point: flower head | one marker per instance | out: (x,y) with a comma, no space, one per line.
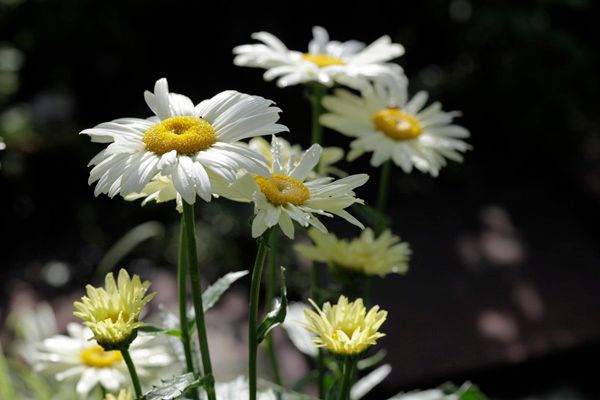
(287,195)
(292,154)
(346,327)
(365,254)
(196,147)
(122,395)
(327,61)
(77,356)
(112,312)
(405,132)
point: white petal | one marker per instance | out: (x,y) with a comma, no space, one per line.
(159,100)
(319,41)
(286,225)
(86,383)
(258,224)
(307,163)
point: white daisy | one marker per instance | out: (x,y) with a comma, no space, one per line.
(406,133)
(80,358)
(293,153)
(161,189)
(287,196)
(192,145)
(348,63)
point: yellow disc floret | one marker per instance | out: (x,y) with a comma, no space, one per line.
(281,189)
(345,328)
(112,312)
(97,357)
(187,135)
(322,60)
(397,124)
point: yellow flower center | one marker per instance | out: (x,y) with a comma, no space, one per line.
(281,189)
(397,124)
(96,357)
(187,135)
(322,60)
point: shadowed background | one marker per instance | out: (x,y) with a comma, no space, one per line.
(504,282)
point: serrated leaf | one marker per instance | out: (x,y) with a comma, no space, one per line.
(214,292)
(277,314)
(175,387)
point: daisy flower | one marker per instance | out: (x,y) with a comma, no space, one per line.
(327,61)
(192,145)
(77,356)
(161,189)
(112,312)
(292,153)
(407,133)
(286,196)
(346,328)
(365,254)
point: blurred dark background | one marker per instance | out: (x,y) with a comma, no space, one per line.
(504,287)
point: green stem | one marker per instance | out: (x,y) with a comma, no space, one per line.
(259,262)
(270,295)
(382,196)
(346,383)
(194,270)
(317,91)
(182,291)
(132,372)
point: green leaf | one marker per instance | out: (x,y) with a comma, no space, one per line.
(371,361)
(468,391)
(6,389)
(125,245)
(277,314)
(214,292)
(176,386)
(156,330)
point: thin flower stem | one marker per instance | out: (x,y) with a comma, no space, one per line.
(346,382)
(257,271)
(182,291)
(382,196)
(317,91)
(194,270)
(270,295)
(132,372)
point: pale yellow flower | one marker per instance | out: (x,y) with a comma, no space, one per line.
(365,254)
(123,395)
(112,312)
(345,328)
